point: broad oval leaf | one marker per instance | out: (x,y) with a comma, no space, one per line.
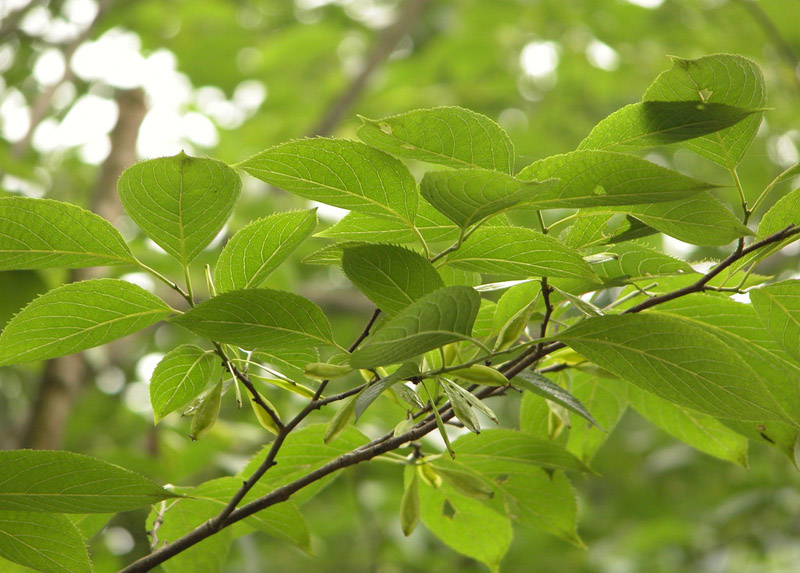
(444,316)
(778,307)
(256,250)
(634,262)
(517,252)
(259,318)
(179,378)
(43,542)
(62,482)
(468,196)
(42,233)
(651,123)
(180,202)
(785,212)
(339,172)
(590,178)
(678,361)
(390,276)
(77,316)
(451,136)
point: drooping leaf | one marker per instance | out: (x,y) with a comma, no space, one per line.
(258,249)
(651,123)
(180,202)
(369,395)
(467,196)
(443,316)
(778,307)
(339,172)
(390,276)
(543,386)
(259,318)
(591,178)
(62,482)
(77,316)
(179,378)
(43,542)
(716,79)
(41,233)
(451,136)
(517,252)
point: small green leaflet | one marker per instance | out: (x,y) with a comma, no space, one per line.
(259,318)
(778,307)
(443,316)
(180,202)
(42,233)
(179,378)
(467,196)
(591,178)
(543,386)
(451,136)
(62,482)
(651,123)
(77,316)
(43,542)
(390,276)
(716,79)
(339,172)
(258,249)
(678,361)
(371,393)
(518,252)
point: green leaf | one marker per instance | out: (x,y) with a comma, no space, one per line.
(461,406)
(19,288)
(371,393)
(43,542)
(41,233)
(451,136)
(517,252)
(678,361)
(700,431)
(716,79)
(785,212)
(513,312)
(635,262)
(468,196)
(591,178)
(443,316)
(62,482)
(778,307)
(179,378)
(332,254)
(390,276)
(180,202)
(651,123)
(607,400)
(585,230)
(259,318)
(342,173)
(256,250)
(543,386)
(77,316)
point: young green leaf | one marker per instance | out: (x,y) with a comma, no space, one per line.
(451,136)
(409,505)
(207,413)
(390,276)
(77,316)
(517,252)
(179,378)
(339,172)
(258,249)
(461,407)
(371,393)
(259,318)
(43,542)
(472,401)
(341,419)
(513,312)
(543,386)
(438,318)
(464,482)
(41,233)
(62,482)
(778,307)
(180,202)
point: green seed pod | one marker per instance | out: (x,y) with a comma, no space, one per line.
(465,483)
(207,413)
(326,371)
(480,374)
(263,418)
(409,506)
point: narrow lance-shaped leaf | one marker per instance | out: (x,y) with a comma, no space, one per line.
(778,307)
(77,316)
(339,172)
(180,202)
(543,386)
(179,378)
(390,276)
(256,250)
(441,317)
(42,233)
(43,542)
(62,482)
(259,318)
(451,136)
(371,393)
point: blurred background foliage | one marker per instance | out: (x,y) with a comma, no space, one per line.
(88,86)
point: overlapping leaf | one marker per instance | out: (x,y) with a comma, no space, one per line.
(78,316)
(179,378)
(778,307)
(43,542)
(634,262)
(546,388)
(370,394)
